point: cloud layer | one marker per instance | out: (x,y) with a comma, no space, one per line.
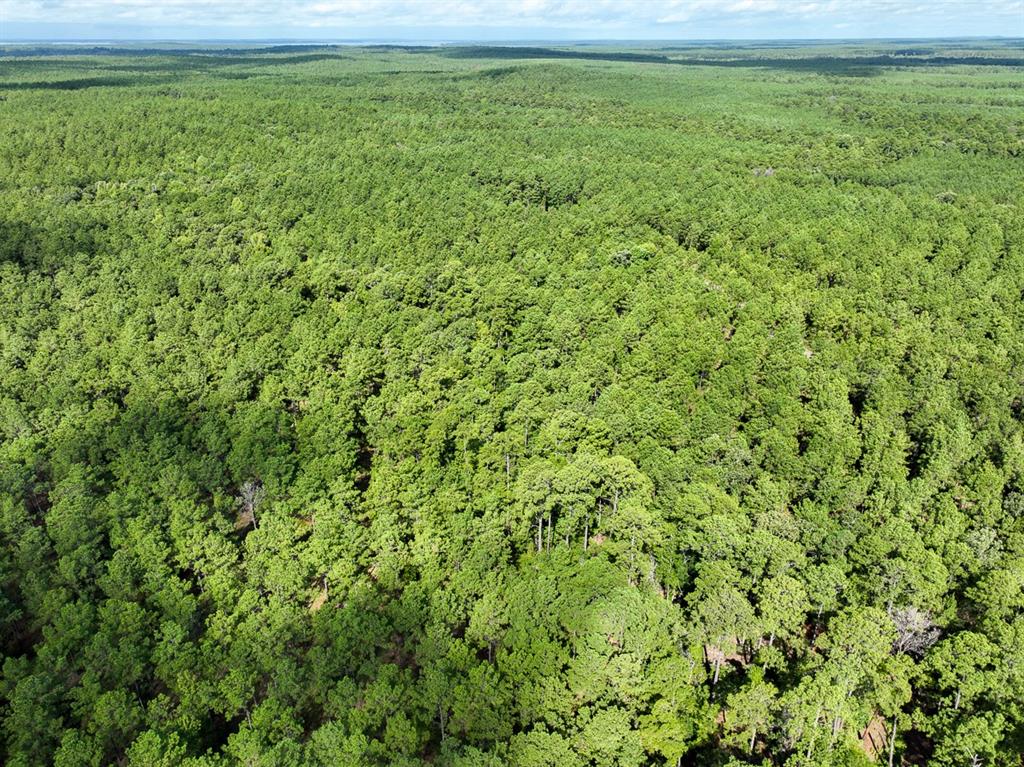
(596,18)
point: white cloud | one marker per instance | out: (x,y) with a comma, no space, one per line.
(672,16)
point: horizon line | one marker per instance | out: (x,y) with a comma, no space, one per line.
(495,40)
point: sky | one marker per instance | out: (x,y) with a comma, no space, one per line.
(491,20)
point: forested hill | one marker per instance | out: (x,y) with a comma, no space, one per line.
(569,407)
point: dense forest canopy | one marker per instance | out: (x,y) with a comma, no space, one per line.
(579,407)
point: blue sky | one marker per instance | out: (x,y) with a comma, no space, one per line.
(505,19)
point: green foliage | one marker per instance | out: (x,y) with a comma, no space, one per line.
(480,406)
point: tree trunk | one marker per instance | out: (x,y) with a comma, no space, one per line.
(586,533)
(810,743)
(892,739)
